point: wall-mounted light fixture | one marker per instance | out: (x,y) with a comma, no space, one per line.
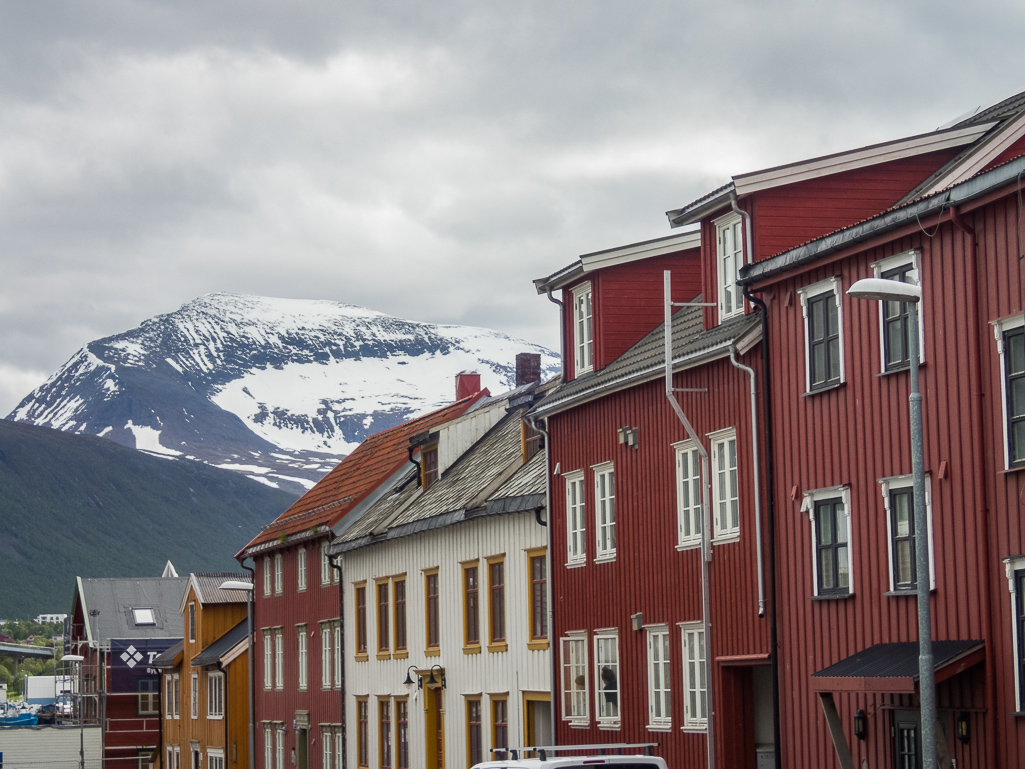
(409,682)
(860,724)
(432,681)
(963,732)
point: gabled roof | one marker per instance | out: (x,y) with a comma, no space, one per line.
(611,257)
(207,588)
(894,667)
(968,190)
(222,647)
(984,135)
(692,346)
(356,476)
(107,606)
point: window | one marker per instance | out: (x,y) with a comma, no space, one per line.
(268,660)
(823,335)
(573,649)
(605,511)
(725,499)
(471,608)
(401,734)
(195,695)
(149,697)
(898,499)
(177,757)
(659,714)
(192,621)
(432,631)
(1010,337)
(576,549)
(327,741)
(474,748)
(496,604)
(338,653)
(894,330)
(531,440)
(400,615)
(214,758)
(339,746)
(177,695)
(278,584)
(1015,569)
(384,752)
(695,690)
(829,513)
(143,617)
(268,746)
(326,654)
(583,330)
(215,695)
(429,462)
(196,759)
(606,676)
(499,725)
(279,658)
(383,617)
(168,696)
(281,747)
(537,564)
(266,575)
(362,732)
(729,248)
(325,565)
(302,648)
(688,494)
(301,567)
(361,621)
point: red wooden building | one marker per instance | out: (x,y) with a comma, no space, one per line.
(297,602)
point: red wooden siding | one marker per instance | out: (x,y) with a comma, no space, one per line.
(649,574)
(859,432)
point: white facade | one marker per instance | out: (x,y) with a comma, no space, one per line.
(517,672)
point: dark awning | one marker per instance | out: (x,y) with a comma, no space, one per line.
(212,654)
(893,667)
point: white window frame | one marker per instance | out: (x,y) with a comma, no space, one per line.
(326,655)
(604,504)
(583,329)
(689,633)
(813,291)
(1001,327)
(280,746)
(659,679)
(328,743)
(886,485)
(688,516)
(325,565)
(724,530)
(601,659)
(1011,566)
(215,758)
(303,656)
(267,576)
(215,695)
(886,265)
(168,696)
(808,507)
(300,557)
(268,660)
(731,225)
(576,518)
(195,695)
(574,665)
(177,695)
(278,574)
(177,757)
(268,746)
(279,658)
(337,627)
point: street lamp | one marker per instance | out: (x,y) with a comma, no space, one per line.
(78,701)
(238,584)
(910,295)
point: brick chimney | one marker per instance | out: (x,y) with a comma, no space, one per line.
(528,368)
(467,383)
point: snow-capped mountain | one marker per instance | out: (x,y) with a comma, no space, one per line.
(278,389)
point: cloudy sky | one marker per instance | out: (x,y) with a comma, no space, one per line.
(425,159)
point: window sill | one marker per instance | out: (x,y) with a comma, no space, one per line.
(683,546)
(576,564)
(726,539)
(434,652)
(660,727)
(362,657)
(300,590)
(605,557)
(912,593)
(579,725)
(831,597)
(609,726)
(537,646)
(384,655)
(401,655)
(820,390)
(471,649)
(901,370)
(499,646)
(694,729)
(1011,471)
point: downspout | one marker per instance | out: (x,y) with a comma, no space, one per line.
(335,563)
(978,459)
(535,425)
(770,490)
(250,621)
(754,469)
(706,545)
(562,337)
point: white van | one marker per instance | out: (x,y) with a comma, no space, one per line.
(605,755)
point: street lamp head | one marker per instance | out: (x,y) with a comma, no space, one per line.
(73,658)
(884,290)
(235,584)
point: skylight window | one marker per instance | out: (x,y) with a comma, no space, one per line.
(143,617)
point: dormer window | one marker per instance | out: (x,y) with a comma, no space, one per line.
(429,466)
(729,249)
(583,330)
(143,617)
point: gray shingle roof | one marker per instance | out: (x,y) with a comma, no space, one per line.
(212,654)
(114,600)
(208,587)
(692,344)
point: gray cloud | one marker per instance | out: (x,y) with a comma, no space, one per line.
(427,160)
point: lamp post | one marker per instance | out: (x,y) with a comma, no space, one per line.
(78,702)
(910,295)
(238,584)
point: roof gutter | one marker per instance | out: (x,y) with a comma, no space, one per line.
(562,333)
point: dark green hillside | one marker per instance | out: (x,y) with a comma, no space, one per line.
(75,505)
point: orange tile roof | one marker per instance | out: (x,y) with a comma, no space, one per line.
(369,465)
